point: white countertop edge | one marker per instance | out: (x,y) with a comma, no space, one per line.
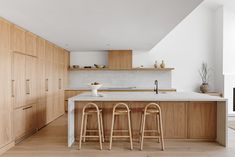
(147,96)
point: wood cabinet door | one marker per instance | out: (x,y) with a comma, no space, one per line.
(49,91)
(174,119)
(61,89)
(40,48)
(61,56)
(56,87)
(55,54)
(41,106)
(41,112)
(30,115)
(202,120)
(48,51)
(5,35)
(120,59)
(6,115)
(66,65)
(24,120)
(19,123)
(31,79)
(17,39)
(61,103)
(49,108)
(30,44)
(18,80)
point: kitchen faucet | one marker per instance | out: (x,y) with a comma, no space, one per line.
(156,86)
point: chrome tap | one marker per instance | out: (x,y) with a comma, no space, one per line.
(156,86)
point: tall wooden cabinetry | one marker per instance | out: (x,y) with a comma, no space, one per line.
(32,72)
(6,128)
(24,93)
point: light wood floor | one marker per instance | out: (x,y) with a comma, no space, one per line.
(51,142)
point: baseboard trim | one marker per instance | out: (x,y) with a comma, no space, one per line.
(7,147)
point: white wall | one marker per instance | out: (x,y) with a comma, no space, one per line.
(229,56)
(185,48)
(190,43)
(219,77)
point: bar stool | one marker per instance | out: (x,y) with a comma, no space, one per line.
(118,110)
(150,110)
(88,110)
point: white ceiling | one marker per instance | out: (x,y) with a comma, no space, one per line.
(83,25)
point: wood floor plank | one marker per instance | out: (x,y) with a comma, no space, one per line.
(51,141)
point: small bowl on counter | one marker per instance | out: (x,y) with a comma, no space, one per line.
(94,88)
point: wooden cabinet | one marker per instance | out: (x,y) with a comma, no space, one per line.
(30,44)
(31,79)
(4,35)
(48,51)
(41,84)
(17,39)
(24,121)
(33,74)
(61,56)
(120,59)
(201,120)
(40,48)
(41,106)
(18,80)
(6,116)
(174,119)
(66,65)
(49,91)
(24,94)
(24,80)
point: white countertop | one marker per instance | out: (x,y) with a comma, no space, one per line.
(121,88)
(146,96)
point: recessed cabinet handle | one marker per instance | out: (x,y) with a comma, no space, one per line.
(27,87)
(46,85)
(59,83)
(27,107)
(13,88)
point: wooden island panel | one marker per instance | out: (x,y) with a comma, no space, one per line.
(202,117)
(174,118)
(181,120)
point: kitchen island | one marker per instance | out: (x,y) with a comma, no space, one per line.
(186,116)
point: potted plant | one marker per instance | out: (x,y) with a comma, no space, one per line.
(204,73)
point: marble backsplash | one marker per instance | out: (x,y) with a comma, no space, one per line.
(139,79)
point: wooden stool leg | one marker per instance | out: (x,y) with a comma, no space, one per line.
(143,129)
(141,123)
(161,131)
(129,126)
(158,127)
(102,127)
(99,129)
(80,138)
(111,132)
(85,126)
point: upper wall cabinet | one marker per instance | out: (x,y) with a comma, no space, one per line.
(49,48)
(61,56)
(120,59)
(17,39)
(4,35)
(55,54)
(30,44)
(40,48)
